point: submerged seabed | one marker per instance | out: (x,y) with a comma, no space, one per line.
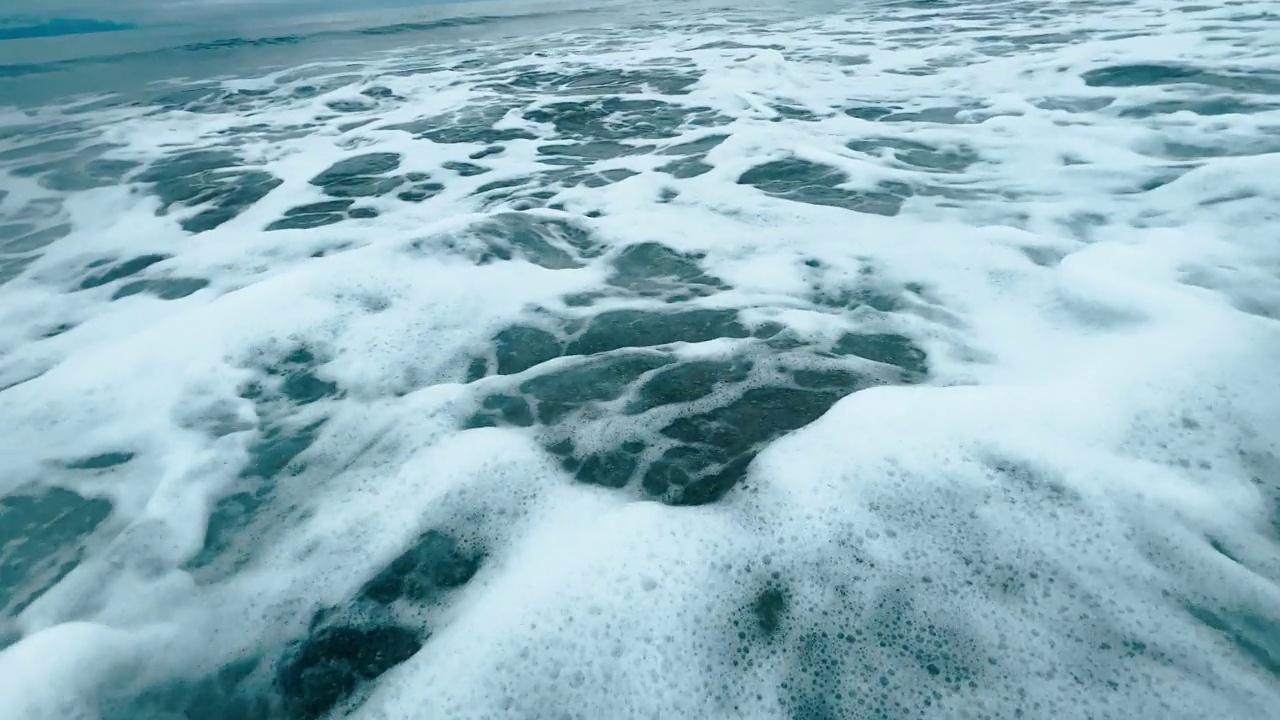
(913,361)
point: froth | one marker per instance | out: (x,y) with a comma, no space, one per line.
(894,362)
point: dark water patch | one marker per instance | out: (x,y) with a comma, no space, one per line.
(504,184)
(277,447)
(188,164)
(688,381)
(471,125)
(617,329)
(38,209)
(701,146)
(769,610)
(57,330)
(280,389)
(611,469)
(12,231)
(1222,549)
(487,152)
(241,519)
(682,432)
(716,414)
(1042,256)
(500,410)
(946,115)
(200,99)
(917,154)
(1206,107)
(600,179)
(735,45)
(420,193)
(767,329)
(1081,225)
(655,270)
(122,270)
(685,168)
(871,112)
(1162,178)
(889,349)
(758,415)
(606,378)
(294,378)
(361,176)
(519,348)
(465,169)
(718,446)
(326,669)
(1227,147)
(83,171)
(330,665)
(808,182)
(362,213)
(591,151)
(433,565)
(819,379)
(207,177)
(1145,75)
(1138,75)
(538,199)
(1074,104)
(163,288)
(617,119)
(35,240)
(549,242)
(12,268)
(428,25)
(43,148)
(328,206)
(349,106)
(305,222)
(318,214)
(370,164)
(1255,635)
(230,534)
(103,461)
(665,81)
(93,174)
(43,536)
(875,296)
(794,112)
(583,299)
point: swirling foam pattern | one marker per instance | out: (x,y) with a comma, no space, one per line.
(900,360)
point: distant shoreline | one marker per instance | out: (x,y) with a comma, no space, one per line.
(59,27)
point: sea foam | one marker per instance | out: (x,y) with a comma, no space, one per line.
(910,360)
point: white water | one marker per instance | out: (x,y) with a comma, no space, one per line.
(1073,516)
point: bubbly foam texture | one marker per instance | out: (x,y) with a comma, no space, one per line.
(908,361)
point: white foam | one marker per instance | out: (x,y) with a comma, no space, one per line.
(1077,506)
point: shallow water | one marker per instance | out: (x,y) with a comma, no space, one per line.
(885,360)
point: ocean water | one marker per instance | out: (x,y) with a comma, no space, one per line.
(648,360)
